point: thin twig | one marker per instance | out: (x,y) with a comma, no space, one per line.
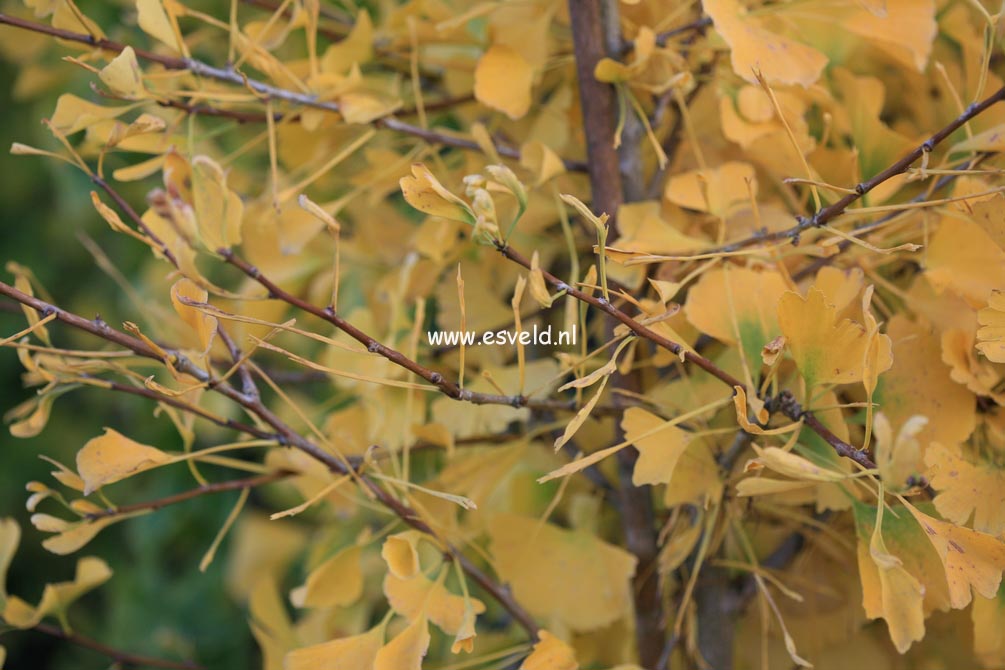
(826,214)
(208,489)
(122,657)
(236,78)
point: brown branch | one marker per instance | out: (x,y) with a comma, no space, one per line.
(218,487)
(144,392)
(616,176)
(826,214)
(444,385)
(239,79)
(122,657)
(862,228)
(599,107)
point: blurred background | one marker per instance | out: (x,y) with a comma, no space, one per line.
(157,603)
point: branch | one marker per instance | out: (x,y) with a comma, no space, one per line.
(218,487)
(117,655)
(273,92)
(444,385)
(599,107)
(826,214)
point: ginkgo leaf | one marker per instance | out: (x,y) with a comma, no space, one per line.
(464,639)
(542,161)
(503,81)
(400,552)
(56,598)
(425,193)
(71,537)
(583,414)
(967,488)
(155,22)
(418,596)
(336,582)
(203,324)
(890,591)
(737,305)
(569,576)
(964,259)
(972,560)
(218,209)
(111,457)
(406,650)
(659,452)
(353,50)
(74,114)
(550,653)
(919,384)
(753,48)
(123,75)
(825,350)
(898,457)
(991,336)
(795,466)
(10,538)
(358,652)
(718,190)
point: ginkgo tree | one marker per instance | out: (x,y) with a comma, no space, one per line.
(778,229)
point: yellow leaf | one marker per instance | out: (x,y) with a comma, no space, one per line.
(112,457)
(582,415)
(991,336)
(898,457)
(76,535)
(400,552)
(218,209)
(890,590)
(91,573)
(825,350)
(418,596)
(154,21)
(355,49)
(123,75)
(464,640)
(202,323)
(348,653)
(659,452)
(538,288)
(738,305)
(503,81)
(795,466)
(550,653)
(73,114)
(425,193)
(568,576)
(406,650)
(968,487)
(781,60)
(905,29)
(919,383)
(10,537)
(544,163)
(972,560)
(964,259)
(336,582)
(718,190)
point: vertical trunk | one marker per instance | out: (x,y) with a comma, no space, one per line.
(596,33)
